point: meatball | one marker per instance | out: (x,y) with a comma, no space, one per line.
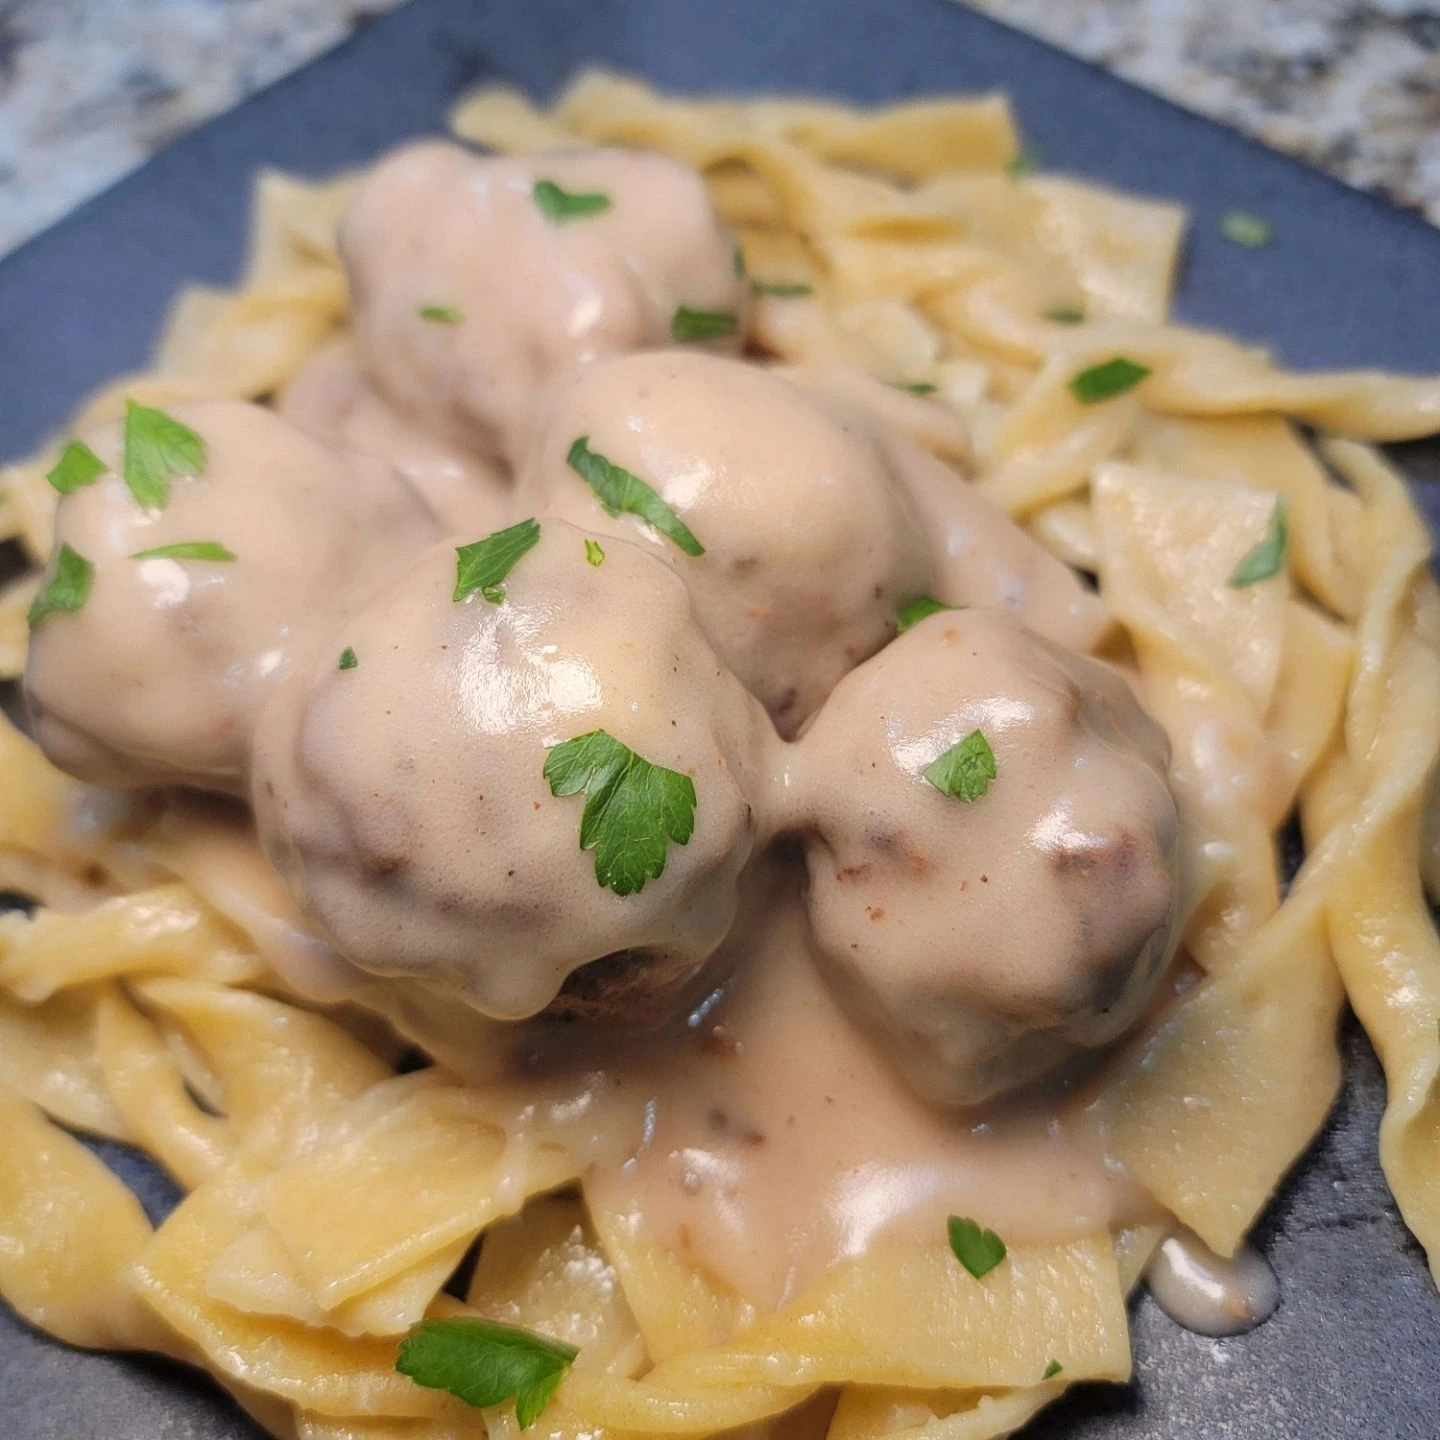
(330,398)
(809,549)
(985,938)
(408,800)
(158,678)
(982,557)
(516,293)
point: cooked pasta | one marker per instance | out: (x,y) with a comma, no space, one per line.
(164,992)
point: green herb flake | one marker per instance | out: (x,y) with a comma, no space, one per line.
(68,588)
(1065,317)
(594,553)
(1240,228)
(77,467)
(1052,1370)
(188,550)
(1267,559)
(560,207)
(916,387)
(158,449)
(483,566)
(486,1363)
(632,808)
(349,660)
(922,609)
(1106,381)
(739,263)
(782,291)
(965,770)
(442,314)
(691,324)
(618,490)
(1022,165)
(979,1251)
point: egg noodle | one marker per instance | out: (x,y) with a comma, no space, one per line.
(330,1198)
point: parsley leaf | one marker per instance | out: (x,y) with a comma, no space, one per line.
(739,263)
(631,808)
(1066,317)
(486,1363)
(484,565)
(594,553)
(691,324)
(157,449)
(1106,381)
(560,207)
(1266,559)
(67,590)
(348,659)
(1022,165)
(979,1251)
(921,609)
(781,291)
(619,490)
(1052,1370)
(442,314)
(916,387)
(965,770)
(1240,228)
(79,465)
(187,550)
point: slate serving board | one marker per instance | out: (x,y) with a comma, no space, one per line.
(1355,1348)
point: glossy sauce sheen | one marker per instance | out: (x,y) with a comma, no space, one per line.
(851,1004)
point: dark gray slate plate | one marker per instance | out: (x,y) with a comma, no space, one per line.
(1355,1349)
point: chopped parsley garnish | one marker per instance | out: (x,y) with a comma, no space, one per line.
(1023,164)
(78,466)
(691,324)
(979,1251)
(1106,381)
(187,550)
(1066,317)
(921,609)
(348,659)
(739,263)
(965,770)
(916,387)
(1266,559)
(780,290)
(1052,1370)
(560,207)
(594,553)
(632,808)
(1240,228)
(619,490)
(67,590)
(157,450)
(442,314)
(484,565)
(486,1363)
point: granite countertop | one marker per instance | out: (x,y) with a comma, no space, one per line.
(90,88)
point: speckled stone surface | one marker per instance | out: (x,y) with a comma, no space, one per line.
(89,88)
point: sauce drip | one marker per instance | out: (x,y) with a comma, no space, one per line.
(1209,1294)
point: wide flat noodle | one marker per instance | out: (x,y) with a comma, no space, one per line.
(48,1055)
(430,1171)
(68,1230)
(160,931)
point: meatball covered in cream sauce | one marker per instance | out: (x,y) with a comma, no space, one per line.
(808,549)
(993,857)
(158,678)
(331,399)
(413,795)
(477,279)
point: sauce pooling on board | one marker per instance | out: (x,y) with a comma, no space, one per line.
(584,745)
